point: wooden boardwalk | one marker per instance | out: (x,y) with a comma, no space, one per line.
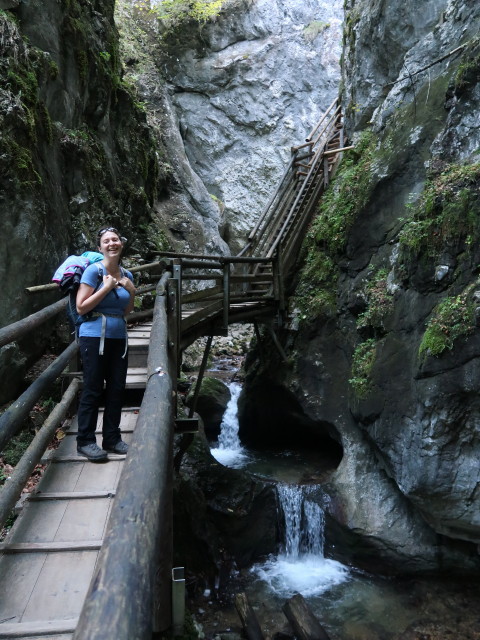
(48,558)
(50,554)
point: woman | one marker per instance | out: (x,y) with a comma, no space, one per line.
(105,295)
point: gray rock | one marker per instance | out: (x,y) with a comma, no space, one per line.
(255,84)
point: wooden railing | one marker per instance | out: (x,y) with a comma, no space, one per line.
(281,227)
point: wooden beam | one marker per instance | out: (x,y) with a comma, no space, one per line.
(47,547)
(332,152)
(69,495)
(201,315)
(305,625)
(195,296)
(18,329)
(12,419)
(48,628)
(248,618)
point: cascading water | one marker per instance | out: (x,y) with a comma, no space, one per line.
(301,567)
(229,451)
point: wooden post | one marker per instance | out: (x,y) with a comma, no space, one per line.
(249,619)
(326,176)
(305,625)
(201,373)
(226,294)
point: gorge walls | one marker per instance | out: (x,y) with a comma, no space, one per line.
(248,86)
(383,340)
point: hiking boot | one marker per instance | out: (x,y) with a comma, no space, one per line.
(92,452)
(120,447)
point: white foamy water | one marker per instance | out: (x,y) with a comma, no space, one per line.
(301,567)
(230,452)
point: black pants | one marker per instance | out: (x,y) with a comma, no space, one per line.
(112,369)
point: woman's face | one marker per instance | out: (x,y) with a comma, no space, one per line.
(110,244)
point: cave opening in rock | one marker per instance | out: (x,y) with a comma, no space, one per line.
(272,419)
(269,434)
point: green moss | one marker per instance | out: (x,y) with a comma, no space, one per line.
(446,213)
(451,319)
(16,447)
(315,28)
(45,122)
(363,360)
(21,161)
(174,12)
(339,207)
(379,302)
(468,72)
(24,82)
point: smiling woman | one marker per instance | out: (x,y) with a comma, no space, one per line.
(106,294)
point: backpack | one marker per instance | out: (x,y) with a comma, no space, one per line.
(68,276)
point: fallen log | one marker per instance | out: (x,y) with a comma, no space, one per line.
(249,620)
(305,625)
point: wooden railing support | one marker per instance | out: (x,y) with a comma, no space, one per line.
(15,415)
(226,294)
(20,328)
(13,488)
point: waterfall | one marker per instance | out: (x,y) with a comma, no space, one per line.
(301,566)
(304,523)
(230,451)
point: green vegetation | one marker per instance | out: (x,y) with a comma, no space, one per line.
(327,236)
(17,446)
(447,212)
(27,120)
(453,318)
(468,72)
(155,237)
(177,11)
(314,29)
(362,363)
(379,302)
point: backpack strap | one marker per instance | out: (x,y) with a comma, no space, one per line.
(104,316)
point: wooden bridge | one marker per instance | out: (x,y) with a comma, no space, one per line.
(90,555)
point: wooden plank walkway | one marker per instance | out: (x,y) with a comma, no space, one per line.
(48,558)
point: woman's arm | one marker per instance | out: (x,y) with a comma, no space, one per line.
(128,285)
(87,300)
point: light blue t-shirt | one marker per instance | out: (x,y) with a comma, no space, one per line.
(113,305)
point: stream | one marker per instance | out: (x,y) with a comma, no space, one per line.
(349,603)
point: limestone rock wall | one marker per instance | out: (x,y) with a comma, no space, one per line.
(245,89)
(78,150)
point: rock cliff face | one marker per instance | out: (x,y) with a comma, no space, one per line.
(385,347)
(78,150)
(246,88)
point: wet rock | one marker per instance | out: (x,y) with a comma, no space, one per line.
(211,404)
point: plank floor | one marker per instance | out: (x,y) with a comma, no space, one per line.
(48,558)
